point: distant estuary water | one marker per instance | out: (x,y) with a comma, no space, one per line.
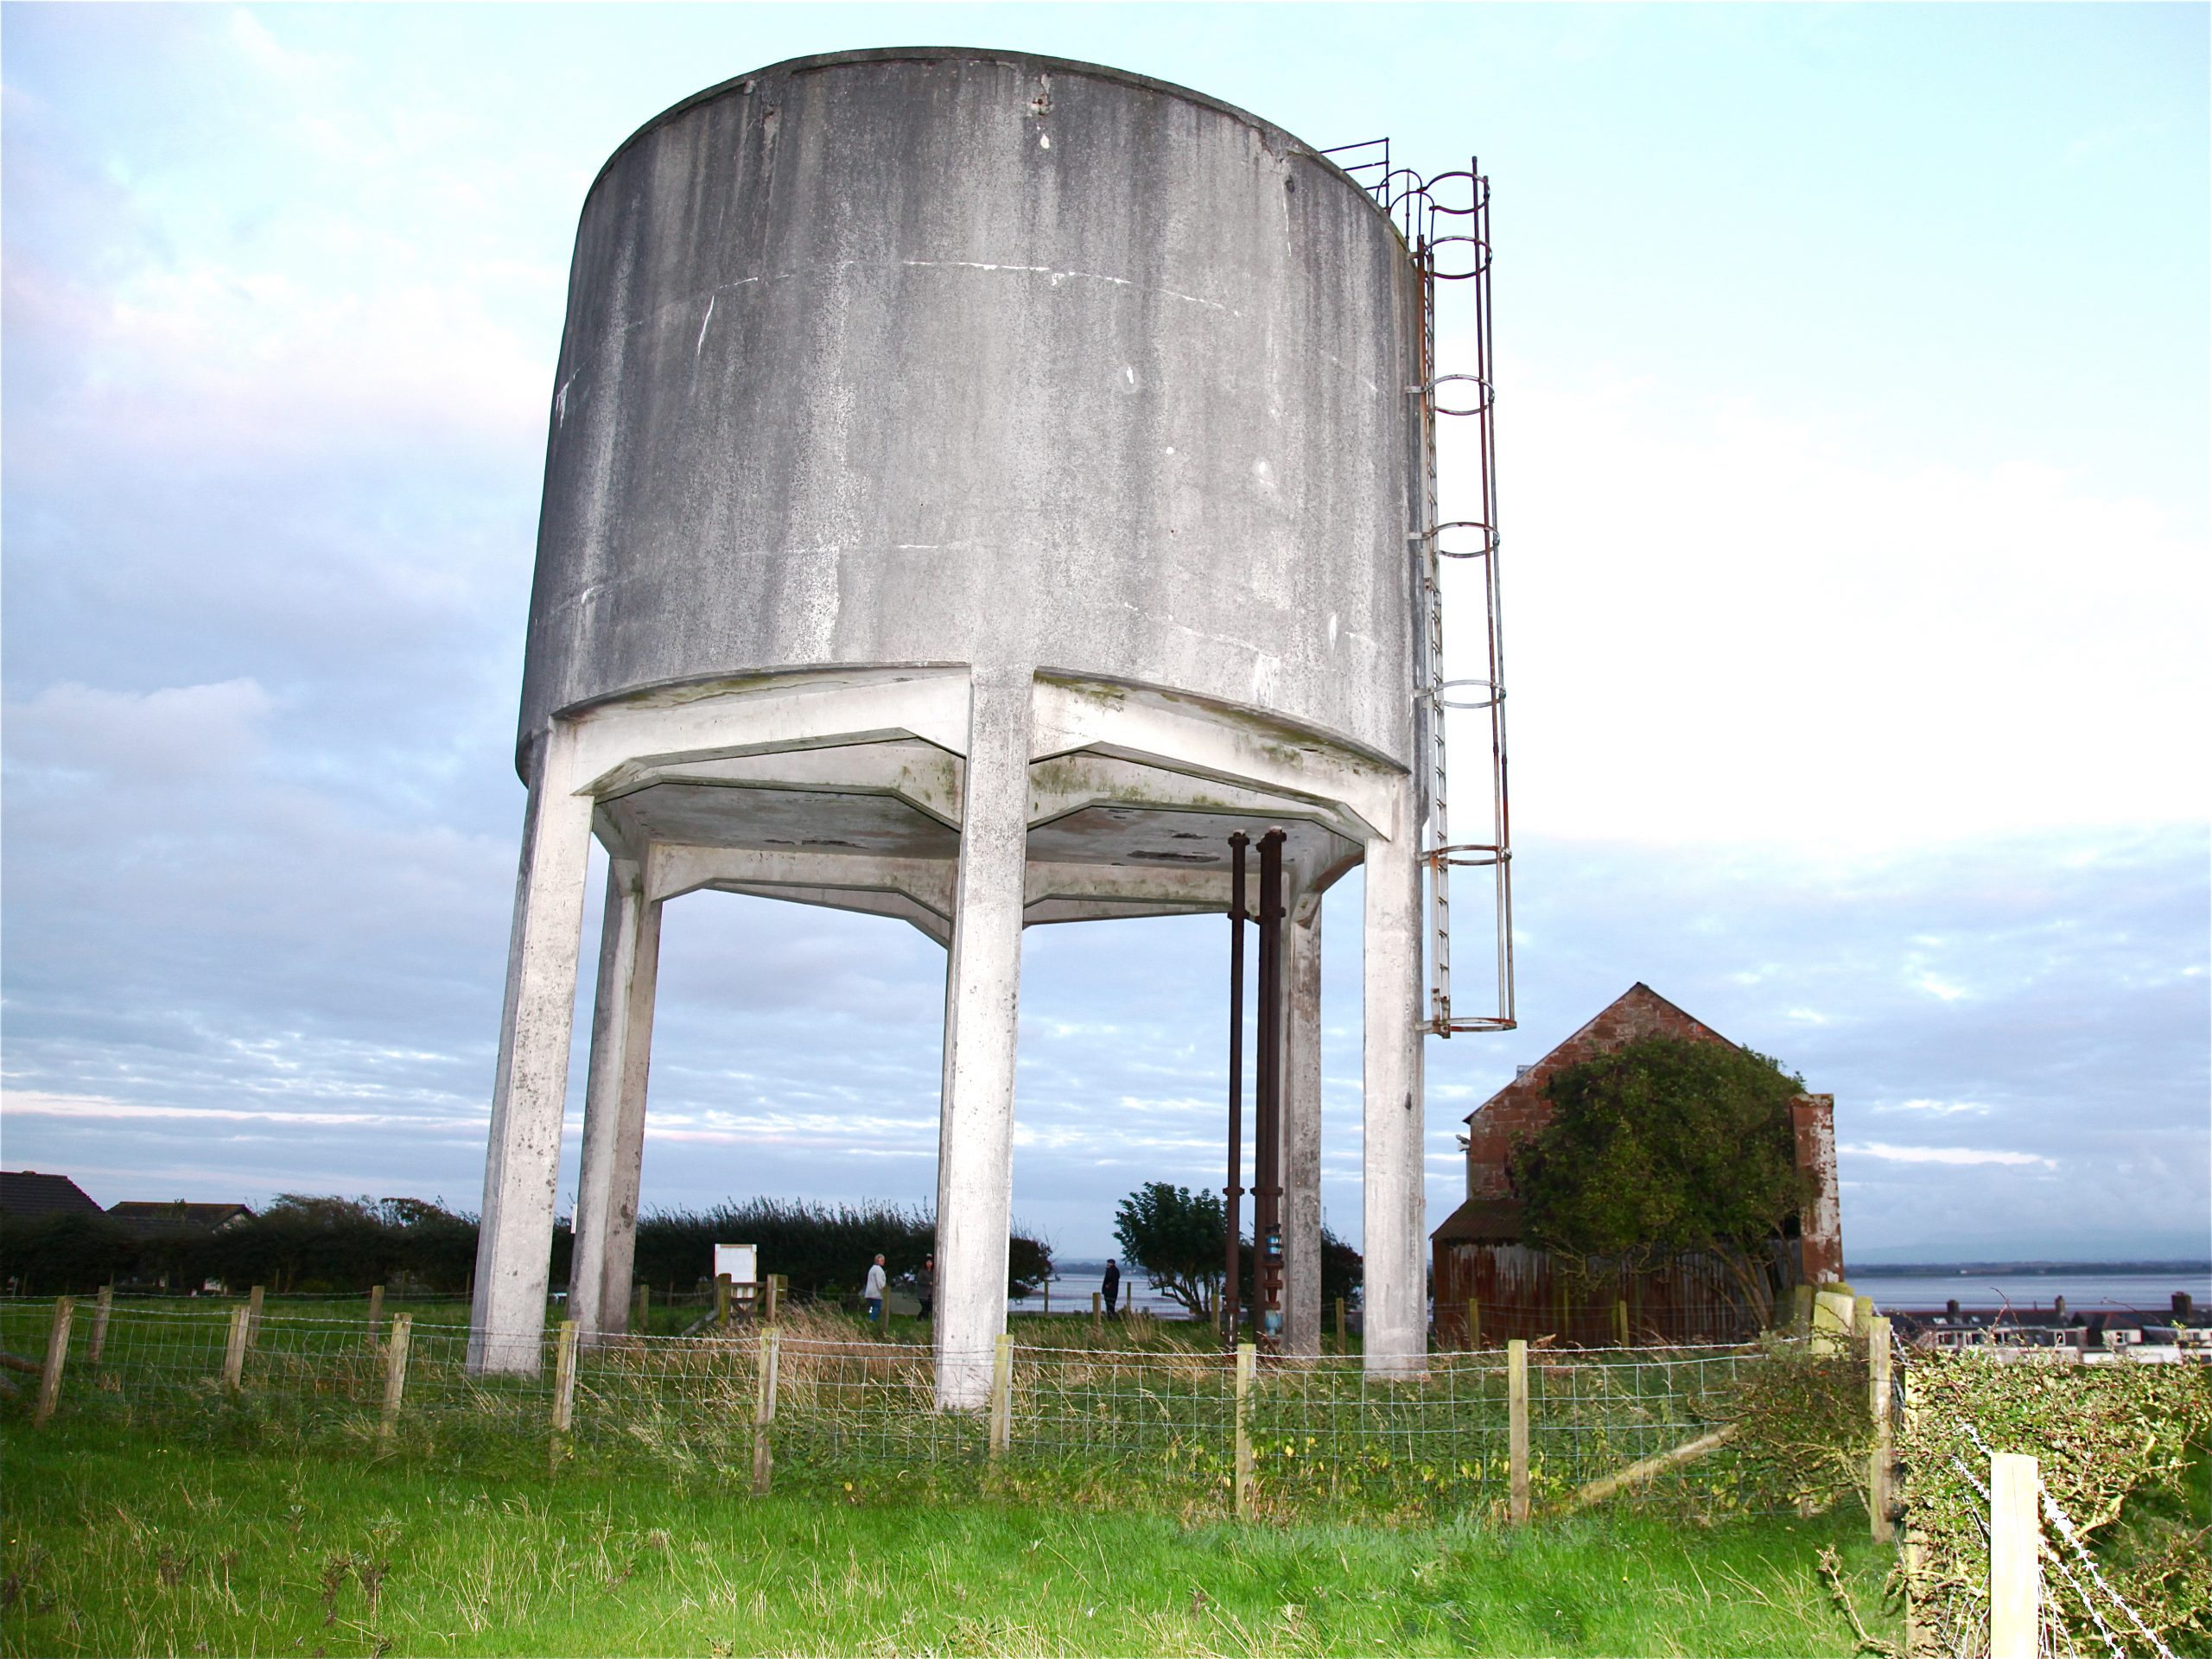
(2086,1290)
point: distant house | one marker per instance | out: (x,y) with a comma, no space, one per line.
(178,1215)
(1480,1251)
(27,1195)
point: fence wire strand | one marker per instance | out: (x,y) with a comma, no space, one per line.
(1324,1433)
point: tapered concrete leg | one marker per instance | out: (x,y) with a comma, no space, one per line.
(974,1158)
(1394,1302)
(522,1163)
(1301,1127)
(614,1106)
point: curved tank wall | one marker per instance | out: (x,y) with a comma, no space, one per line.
(948,355)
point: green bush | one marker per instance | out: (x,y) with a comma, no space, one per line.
(822,1250)
(2123,1451)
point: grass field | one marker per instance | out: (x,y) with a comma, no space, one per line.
(127,1545)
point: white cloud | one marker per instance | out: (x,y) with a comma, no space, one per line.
(1937,1108)
(1724,626)
(16,1103)
(179,732)
(1944,1156)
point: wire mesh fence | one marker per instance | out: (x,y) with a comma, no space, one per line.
(1151,1417)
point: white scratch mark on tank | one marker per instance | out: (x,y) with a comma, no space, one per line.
(1332,630)
(699,343)
(1057,277)
(561,402)
(1043,141)
(1129,371)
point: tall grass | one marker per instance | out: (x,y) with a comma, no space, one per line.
(115,1545)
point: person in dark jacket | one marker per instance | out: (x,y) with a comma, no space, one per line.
(926,1285)
(1113,1289)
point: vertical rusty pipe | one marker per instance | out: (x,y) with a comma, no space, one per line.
(1266,1149)
(1235,1190)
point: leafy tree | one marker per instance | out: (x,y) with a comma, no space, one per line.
(1666,1148)
(1176,1236)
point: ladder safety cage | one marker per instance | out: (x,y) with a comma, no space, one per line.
(1445,223)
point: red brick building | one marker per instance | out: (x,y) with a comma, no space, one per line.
(1479,1252)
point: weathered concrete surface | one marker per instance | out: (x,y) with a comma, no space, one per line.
(983,989)
(514,1243)
(1394,1300)
(976,484)
(1301,1126)
(615,1105)
(954,356)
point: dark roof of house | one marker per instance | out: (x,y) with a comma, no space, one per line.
(176,1213)
(1483,1221)
(27,1192)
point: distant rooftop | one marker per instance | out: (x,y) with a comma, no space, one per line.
(27,1192)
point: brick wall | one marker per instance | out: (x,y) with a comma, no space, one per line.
(1520,1109)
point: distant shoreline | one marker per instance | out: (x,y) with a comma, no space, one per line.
(2021,1270)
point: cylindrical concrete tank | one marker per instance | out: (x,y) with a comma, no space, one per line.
(978,486)
(939,356)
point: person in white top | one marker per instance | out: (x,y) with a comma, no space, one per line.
(872,1294)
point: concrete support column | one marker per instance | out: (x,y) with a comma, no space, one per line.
(1301,1126)
(515,1241)
(982,984)
(614,1106)
(1394,1302)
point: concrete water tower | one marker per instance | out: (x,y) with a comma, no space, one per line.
(977,486)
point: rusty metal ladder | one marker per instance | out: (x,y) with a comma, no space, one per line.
(1449,242)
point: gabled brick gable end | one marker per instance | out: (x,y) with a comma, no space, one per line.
(1520,1107)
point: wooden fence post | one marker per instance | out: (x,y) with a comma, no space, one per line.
(564,1391)
(1244,1352)
(764,1412)
(722,1301)
(1517,1429)
(395,1377)
(2015,1533)
(1474,1323)
(775,1297)
(57,1356)
(1097,1314)
(564,1378)
(1344,1342)
(1002,1397)
(101,1309)
(1879,1461)
(234,1352)
(253,1316)
(376,1317)
(641,1304)
(1620,1322)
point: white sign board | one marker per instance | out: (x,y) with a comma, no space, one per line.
(741,1261)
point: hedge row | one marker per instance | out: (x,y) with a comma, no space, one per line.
(338,1245)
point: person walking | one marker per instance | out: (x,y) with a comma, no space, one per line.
(1113,1289)
(926,1285)
(872,1292)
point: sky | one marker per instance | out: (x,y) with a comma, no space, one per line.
(1852,437)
